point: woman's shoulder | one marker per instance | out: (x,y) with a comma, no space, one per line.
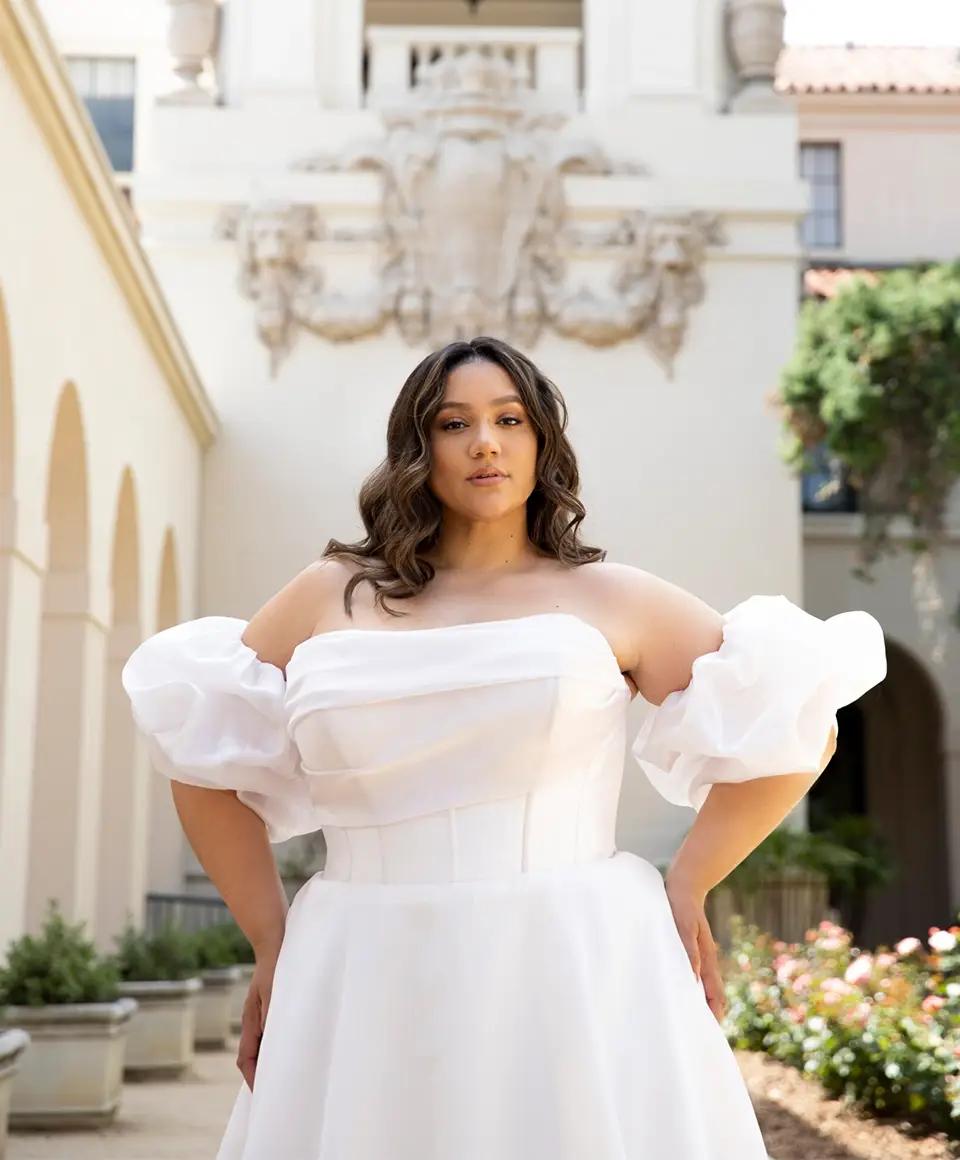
(657,627)
(292,613)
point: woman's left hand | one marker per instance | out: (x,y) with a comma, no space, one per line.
(691,919)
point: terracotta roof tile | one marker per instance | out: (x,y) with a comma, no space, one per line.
(824,282)
(868,69)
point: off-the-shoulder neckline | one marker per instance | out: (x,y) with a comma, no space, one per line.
(468,624)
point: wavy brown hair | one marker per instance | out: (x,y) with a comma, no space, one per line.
(401,514)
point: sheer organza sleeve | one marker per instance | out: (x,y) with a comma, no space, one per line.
(213,714)
(764,702)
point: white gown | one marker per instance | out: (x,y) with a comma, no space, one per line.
(479,973)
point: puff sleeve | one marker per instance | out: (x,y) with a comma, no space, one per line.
(761,704)
(212,714)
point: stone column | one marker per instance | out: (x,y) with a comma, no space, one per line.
(340,27)
(275,51)
(65,813)
(23,551)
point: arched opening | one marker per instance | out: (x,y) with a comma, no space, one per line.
(124,800)
(888,772)
(65,788)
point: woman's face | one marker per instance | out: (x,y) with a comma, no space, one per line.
(482,423)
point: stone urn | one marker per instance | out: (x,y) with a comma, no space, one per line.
(71,1076)
(12,1045)
(215,1005)
(161,1039)
(192,37)
(755,38)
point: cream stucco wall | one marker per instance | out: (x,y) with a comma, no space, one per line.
(90,503)
(900,173)
(680,474)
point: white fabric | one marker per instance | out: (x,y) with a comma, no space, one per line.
(764,702)
(478,972)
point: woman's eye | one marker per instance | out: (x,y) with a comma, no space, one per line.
(449,425)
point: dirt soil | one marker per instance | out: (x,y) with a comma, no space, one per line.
(800,1122)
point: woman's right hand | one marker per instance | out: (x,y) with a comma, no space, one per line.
(254,1017)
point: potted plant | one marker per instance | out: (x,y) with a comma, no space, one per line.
(59,989)
(159,971)
(243,957)
(221,977)
(12,1045)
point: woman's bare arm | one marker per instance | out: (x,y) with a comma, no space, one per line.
(228,838)
(673,628)
(733,821)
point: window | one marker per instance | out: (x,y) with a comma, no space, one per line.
(825,488)
(106,85)
(820,166)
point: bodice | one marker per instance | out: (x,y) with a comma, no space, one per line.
(491,748)
(460,752)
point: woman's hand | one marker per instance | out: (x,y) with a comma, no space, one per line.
(254,1016)
(691,919)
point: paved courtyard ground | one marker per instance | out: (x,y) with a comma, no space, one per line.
(183,1120)
(160,1120)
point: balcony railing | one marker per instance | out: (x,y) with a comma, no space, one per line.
(544,60)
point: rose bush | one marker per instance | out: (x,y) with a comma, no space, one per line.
(878,1028)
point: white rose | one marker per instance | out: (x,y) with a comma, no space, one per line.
(942,940)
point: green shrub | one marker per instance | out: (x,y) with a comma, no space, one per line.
(60,965)
(880,1029)
(234,938)
(219,946)
(170,954)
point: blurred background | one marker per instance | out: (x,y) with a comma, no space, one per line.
(727,230)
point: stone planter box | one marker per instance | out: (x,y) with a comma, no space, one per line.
(215,1006)
(72,1075)
(12,1044)
(163,1029)
(240,995)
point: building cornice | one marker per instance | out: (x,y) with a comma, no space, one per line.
(37,69)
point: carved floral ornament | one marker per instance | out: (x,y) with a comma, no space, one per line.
(474,235)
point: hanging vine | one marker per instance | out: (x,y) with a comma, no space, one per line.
(875,377)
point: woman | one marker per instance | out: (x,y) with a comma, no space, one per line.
(478,973)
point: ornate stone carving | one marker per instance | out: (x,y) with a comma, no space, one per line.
(655,284)
(273,239)
(475,236)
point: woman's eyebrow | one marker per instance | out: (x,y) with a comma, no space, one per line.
(467,407)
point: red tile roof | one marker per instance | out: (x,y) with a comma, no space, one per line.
(823,282)
(868,69)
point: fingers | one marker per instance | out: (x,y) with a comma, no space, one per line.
(250,1034)
(710,974)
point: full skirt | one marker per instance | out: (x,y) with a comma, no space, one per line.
(549,1016)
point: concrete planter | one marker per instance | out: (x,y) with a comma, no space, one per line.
(240,995)
(163,1029)
(12,1044)
(72,1075)
(215,1005)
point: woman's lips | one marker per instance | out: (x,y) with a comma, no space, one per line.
(486,480)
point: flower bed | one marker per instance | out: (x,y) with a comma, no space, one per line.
(880,1029)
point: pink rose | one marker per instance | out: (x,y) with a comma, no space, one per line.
(859,970)
(932,1003)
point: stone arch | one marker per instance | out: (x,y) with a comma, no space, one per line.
(65,787)
(124,794)
(890,768)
